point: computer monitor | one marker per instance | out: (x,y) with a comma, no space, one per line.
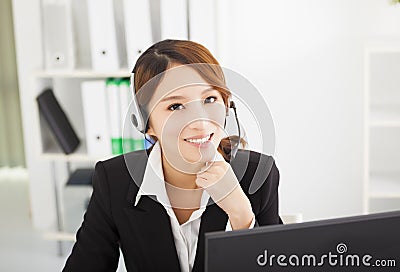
(358,243)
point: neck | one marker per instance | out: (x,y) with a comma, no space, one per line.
(177,178)
(181,187)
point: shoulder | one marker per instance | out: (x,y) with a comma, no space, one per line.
(254,163)
(126,163)
(119,172)
(257,173)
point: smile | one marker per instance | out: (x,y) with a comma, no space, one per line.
(199,141)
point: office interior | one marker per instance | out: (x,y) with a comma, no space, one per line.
(327,70)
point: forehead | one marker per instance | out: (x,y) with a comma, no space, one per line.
(179,80)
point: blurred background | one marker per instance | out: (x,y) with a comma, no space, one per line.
(328,71)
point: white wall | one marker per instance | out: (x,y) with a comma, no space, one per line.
(306,57)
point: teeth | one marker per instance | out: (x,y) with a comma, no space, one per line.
(203,140)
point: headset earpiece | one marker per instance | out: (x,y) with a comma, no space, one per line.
(136,117)
(134,120)
(230,103)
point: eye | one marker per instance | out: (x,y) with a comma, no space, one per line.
(212,98)
(174,106)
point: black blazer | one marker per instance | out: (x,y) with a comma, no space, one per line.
(144,232)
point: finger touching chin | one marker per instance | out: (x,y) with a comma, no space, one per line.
(201,182)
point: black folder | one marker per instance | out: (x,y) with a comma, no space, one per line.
(58,121)
(81,176)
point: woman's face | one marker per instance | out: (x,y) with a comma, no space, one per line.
(187,116)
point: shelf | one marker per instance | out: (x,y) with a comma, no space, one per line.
(385,116)
(59,236)
(384,185)
(53,152)
(383,46)
(81,73)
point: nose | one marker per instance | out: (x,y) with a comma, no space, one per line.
(199,124)
(199,115)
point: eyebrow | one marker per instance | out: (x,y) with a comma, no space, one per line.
(173,97)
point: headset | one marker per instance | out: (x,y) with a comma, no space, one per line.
(138,121)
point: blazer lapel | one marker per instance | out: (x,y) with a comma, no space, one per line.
(149,221)
(151,226)
(213,219)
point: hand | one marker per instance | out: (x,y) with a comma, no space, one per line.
(220,182)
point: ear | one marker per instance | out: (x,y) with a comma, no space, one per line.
(150,131)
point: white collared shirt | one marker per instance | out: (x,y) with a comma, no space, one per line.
(185,235)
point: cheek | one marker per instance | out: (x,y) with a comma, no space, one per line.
(219,134)
(169,128)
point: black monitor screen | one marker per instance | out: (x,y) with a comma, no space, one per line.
(358,243)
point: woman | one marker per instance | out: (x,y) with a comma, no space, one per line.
(156,204)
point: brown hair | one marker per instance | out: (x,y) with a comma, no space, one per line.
(161,55)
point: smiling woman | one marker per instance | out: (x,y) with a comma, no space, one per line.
(161,201)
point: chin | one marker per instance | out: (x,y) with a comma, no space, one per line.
(192,156)
(196,156)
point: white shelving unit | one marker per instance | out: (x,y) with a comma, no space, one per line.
(382,127)
(66,86)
